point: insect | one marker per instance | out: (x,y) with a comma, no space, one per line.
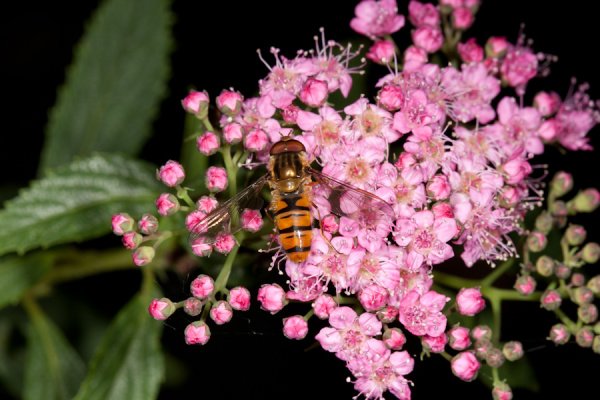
(293,193)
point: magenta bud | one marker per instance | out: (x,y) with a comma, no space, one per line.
(148,224)
(562,271)
(131,240)
(481,332)
(171,174)
(387,314)
(525,285)
(230,102)
(197,333)
(393,338)
(577,279)
(161,309)
(221,312)
(551,300)
(582,295)
(122,223)
(167,204)
(482,348)
(584,337)
(239,298)
(465,366)
(143,256)
(434,344)
(501,391)
(196,103)
(559,334)
(202,287)
(458,337)
(295,327)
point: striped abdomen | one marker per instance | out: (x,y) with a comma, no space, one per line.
(294,224)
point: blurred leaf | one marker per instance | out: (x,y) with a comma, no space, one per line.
(13,322)
(17,274)
(76,202)
(128,364)
(53,370)
(114,86)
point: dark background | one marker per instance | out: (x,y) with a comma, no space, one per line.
(216,48)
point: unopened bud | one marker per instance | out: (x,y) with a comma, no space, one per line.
(229,102)
(387,314)
(562,271)
(577,279)
(393,338)
(544,265)
(167,204)
(501,391)
(582,295)
(196,103)
(148,224)
(221,312)
(513,350)
(197,333)
(192,306)
(537,241)
(132,240)
(596,344)
(161,309)
(525,285)
(575,235)
(594,284)
(544,222)
(559,334)
(561,184)
(481,332)
(482,348)
(585,201)
(591,252)
(122,223)
(143,256)
(551,300)
(587,313)
(584,337)
(494,358)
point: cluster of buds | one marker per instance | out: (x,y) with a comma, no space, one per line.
(134,234)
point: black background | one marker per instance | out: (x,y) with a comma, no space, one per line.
(216,46)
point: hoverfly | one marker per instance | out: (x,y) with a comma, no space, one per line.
(292,189)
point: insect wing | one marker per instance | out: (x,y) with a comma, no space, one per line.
(227,218)
(345,200)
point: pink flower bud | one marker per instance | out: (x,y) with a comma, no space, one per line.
(373,297)
(171,174)
(525,285)
(458,337)
(167,204)
(132,240)
(584,337)
(323,306)
(148,224)
(381,52)
(470,301)
(438,187)
(314,92)
(161,309)
(192,306)
(544,265)
(387,314)
(494,358)
(414,58)
(290,114)
(230,102)
(239,298)
(519,66)
(122,223)
(562,271)
(513,350)
(143,256)
(394,339)
(547,103)
(462,18)
(202,286)
(481,332)
(197,333)
(559,334)
(224,242)
(233,133)
(221,312)
(549,130)
(496,46)
(470,51)
(423,14)
(537,241)
(482,348)
(575,234)
(391,97)
(192,222)
(582,295)
(256,140)
(208,143)
(586,201)
(201,247)
(196,103)
(271,297)
(434,344)
(295,327)
(206,204)
(501,391)
(428,38)
(216,179)
(577,279)
(442,210)
(465,366)
(551,300)
(590,252)
(252,220)
(330,224)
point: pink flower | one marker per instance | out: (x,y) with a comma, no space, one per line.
(394,339)
(224,242)
(458,338)
(208,143)
(414,58)
(202,286)
(470,51)
(197,333)
(143,256)
(417,115)
(462,18)
(330,224)
(313,92)
(239,298)
(377,18)
(132,240)
(547,103)
(373,297)
(251,220)
(171,174)
(161,309)
(256,140)
(192,222)
(221,312)
(216,179)
(229,102)
(295,327)
(525,285)
(391,97)
(271,297)
(423,14)
(122,223)
(428,38)
(496,46)
(233,133)
(381,52)
(148,224)
(201,247)
(206,204)
(324,305)
(519,66)
(434,344)
(470,301)
(167,204)
(196,103)
(465,366)
(422,315)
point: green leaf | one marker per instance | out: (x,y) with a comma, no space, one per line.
(17,274)
(128,364)
(113,89)
(76,202)
(53,370)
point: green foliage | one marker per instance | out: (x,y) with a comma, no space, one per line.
(114,87)
(17,274)
(76,202)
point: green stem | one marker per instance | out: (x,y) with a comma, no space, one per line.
(223,277)
(498,272)
(231,170)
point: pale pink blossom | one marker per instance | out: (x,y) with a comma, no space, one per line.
(422,314)
(239,298)
(372,297)
(470,301)
(417,115)
(470,51)
(381,52)
(202,287)
(377,18)
(414,58)
(394,339)
(458,338)
(167,204)
(434,344)
(313,92)
(547,103)
(221,312)
(208,143)
(423,14)
(216,179)
(295,327)
(428,38)
(519,66)
(197,333)
(121,223)
(161,309)
(324,305)
(271,297)
(465,366)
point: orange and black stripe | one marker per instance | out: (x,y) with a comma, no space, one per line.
(294,225)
